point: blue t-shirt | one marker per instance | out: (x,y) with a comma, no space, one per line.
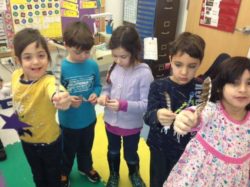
(80,79)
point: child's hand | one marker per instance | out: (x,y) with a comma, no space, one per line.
(165,116)
(185,121)
(62,100)
(113,104)
(102,100)
(93,98)
(76,101)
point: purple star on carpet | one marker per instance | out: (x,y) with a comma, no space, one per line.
(13,122)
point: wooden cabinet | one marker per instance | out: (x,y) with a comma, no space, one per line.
(158,18)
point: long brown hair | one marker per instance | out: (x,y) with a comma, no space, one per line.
(126,37)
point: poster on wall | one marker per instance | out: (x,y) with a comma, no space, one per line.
(79,10)
(48,16)
(130,11)
(43,15)
(8,25)
(220,14)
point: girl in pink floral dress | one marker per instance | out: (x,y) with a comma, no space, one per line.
(219,155)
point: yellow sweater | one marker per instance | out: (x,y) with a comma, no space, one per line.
(34,107)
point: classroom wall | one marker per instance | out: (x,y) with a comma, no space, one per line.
(116,8)
(218,41)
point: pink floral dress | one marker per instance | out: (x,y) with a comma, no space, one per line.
(219,155)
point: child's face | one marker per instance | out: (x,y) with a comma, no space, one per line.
(76,55)
(34,61)
(184,68)
(236,95)
(121,57)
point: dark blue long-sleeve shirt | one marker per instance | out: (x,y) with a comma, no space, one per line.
(180,95)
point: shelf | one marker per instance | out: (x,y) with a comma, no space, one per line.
(6,54)
(104,34)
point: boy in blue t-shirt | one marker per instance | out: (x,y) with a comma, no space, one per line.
(80,76)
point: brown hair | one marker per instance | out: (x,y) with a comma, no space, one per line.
(229,70)
(27,36)
(189,43)
(77,34)
(126,37)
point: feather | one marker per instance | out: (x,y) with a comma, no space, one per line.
(57,71)
(205,95)
(204,98)
(167,100)
(57,66)
(168,103)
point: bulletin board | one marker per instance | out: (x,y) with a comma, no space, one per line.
(220,14)
(48,16)
(78,10)
(43,15)
(8,25)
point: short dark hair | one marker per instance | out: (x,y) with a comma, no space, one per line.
(229,70)
(27,36)
(126,37)
(77,34)
(189,43)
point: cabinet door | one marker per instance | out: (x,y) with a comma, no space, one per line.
(165,27)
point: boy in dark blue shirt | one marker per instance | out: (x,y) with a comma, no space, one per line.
(169,96)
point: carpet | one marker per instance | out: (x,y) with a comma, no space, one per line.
(15,171)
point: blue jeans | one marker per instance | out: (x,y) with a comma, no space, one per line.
(130,146)
(78,142)
(44,160)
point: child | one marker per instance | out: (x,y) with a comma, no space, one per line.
(80,76)
(166,98)
(219,154)
(35,99)
(125,101)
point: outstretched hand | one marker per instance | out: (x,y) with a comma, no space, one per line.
(185,121)
(62,100)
